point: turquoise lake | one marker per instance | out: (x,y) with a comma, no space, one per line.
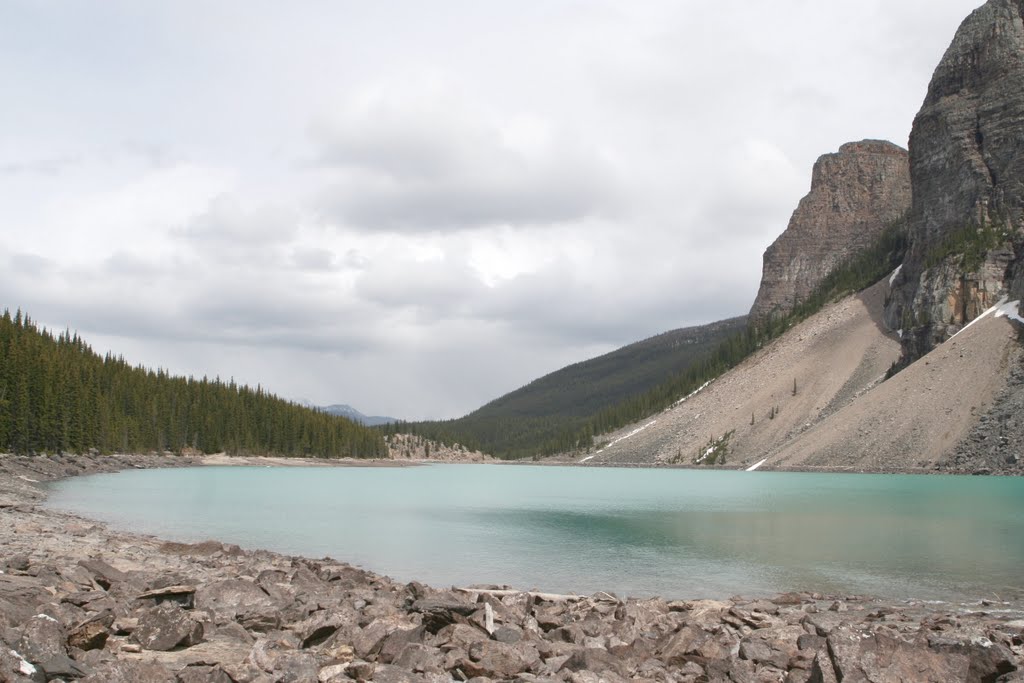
(636,532)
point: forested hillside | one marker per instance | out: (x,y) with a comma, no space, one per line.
(587,387)
(521,431)
(56,394)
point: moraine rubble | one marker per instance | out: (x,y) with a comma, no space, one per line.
(80,602)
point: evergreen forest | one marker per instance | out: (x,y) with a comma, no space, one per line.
(58,395)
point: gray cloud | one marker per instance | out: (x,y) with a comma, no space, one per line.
(51,166)
(313,259)
(227,221)
(414,166)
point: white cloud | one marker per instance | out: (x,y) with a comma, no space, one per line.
(413,159)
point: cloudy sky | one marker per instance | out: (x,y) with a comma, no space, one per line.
(414,207)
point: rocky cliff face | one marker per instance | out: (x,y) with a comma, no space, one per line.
(854,194)
(967,170)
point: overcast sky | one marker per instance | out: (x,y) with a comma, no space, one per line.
(415,207)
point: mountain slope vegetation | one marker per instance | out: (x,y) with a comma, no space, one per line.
(57,394)
(584,388)
(512,427)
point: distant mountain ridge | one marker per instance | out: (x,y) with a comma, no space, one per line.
(565,408)
(344,410)
(588,386)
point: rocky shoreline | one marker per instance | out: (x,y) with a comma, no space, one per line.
(79,601)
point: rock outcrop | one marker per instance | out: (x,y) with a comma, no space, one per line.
(966,166)
(855,193)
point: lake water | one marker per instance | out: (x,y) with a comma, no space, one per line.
(637,532)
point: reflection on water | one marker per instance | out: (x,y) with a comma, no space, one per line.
(636,532)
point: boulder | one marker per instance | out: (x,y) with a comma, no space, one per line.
(368,641)
(61,667)
(683,646)
(595,660)
(387,673)
(204,674)
(858,656)
(498,660)
(165,627)
(102,573)
(989,660)
(91,634)
(459,636)
(239,600)
(508,633)
(440,612)
(42,638)
(396,641)
(18,563)
(321,625)
(420,658)
(123,671)
(16,669)
(183,595)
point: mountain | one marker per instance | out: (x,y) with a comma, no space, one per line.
(564,409)
(342,410)
(967,166)
(584,388)
(819,395)
(855,193)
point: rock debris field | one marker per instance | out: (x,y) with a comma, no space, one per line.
(80,602)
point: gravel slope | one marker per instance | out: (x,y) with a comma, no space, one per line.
(843,415)
(833,357)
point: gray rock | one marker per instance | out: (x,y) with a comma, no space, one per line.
(988,660)
(165,627)
(91,634)
(368,641)
(102,573)
(497,660)
(362,671)
(509,633)
(459,636)
(597,661)
(296,667)
(396,641)
(419,658)
(42,638)
(18,563)
(204,674)
(440,612)
(61,667)
(322,625)
(242,601)
(386,673)
(16,668)
(130,672)
(856,657)
(183,595)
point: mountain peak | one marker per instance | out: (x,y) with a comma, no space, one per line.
(855,193)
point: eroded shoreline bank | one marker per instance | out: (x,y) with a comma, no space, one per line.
(79,600)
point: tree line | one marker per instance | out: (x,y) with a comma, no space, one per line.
(58,395)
